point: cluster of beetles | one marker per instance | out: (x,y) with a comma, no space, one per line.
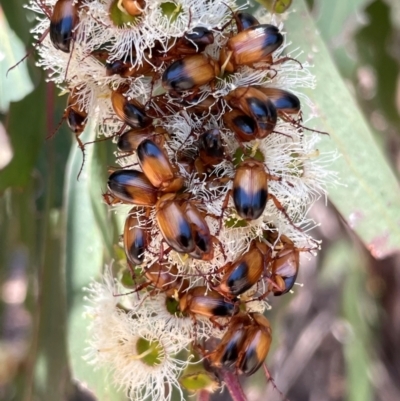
(158,188)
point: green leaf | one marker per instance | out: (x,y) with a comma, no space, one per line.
(27,129)
(16,85)
(84,259)
(369,200)
(336,18)
(19,18)
(358,309)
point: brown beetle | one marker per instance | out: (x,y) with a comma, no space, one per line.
(245,20)
(182,227)
(203,302)
(174,224)
(211,150)
(75,116)
(63,21)
(256,345)
(125,69)
(204,249)
(250,46)
(132,186)
(165,278)
(130,140)
(157,167)
(227,353)
(131,112)
(190,43)
(284,101)
(245,344)
(256,105)
(190,73)
(243,126)
(136,238)
(285,266)
(246,271)
(250,189)
(211,147)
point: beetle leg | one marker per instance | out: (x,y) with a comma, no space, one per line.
(140,287)
(82,147)
(271,379)
(281,133)
(119,132)
(279,206)
(286,58)
(223,208)
(45,8)
(274,177)
(30,51)
(161,252)
(213,320)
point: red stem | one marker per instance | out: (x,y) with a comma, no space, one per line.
(203,395)
(234,387)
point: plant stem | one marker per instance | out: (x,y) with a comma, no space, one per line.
(234,387)
(203,395)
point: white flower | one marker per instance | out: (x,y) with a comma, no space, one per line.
(139,347)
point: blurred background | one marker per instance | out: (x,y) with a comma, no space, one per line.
(336,338)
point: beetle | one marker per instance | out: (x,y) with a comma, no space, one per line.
(208,303)
(129,140)
(76,117)
(64,18)
(245,20)
(182,227)
(132,186)
(125,69)
(189,73)
(130,111)
(257,105)
(284,101)
(245,271)
(284,266)
(195,41)
(174,224)
(203,239)
(157,168)
(190,43)
(164,277)
(252,45)
(243,126)
(286,104)
(211,150)
(256,345)
(136,238)
(211,147)
(245,345)
(228,350)
(250,189)
(63,21)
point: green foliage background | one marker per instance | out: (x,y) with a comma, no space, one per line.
(335,339)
